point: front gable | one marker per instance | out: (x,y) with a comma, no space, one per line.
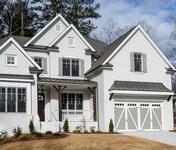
(22,60)
(50,32)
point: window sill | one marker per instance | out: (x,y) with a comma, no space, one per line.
(9,65)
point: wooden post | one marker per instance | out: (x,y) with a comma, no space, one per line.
(59,90)
(93,91)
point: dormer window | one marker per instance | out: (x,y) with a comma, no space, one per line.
(11,60)
(71,42)
(58,27)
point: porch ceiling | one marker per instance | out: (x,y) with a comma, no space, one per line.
(56,81)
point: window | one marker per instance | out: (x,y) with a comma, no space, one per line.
(58,28)
(71,41)
(72,101)
(39,61)
(11,60)
(15,100)
(137,62)
(70,67)
(11,99)
(21,100)
(2,99)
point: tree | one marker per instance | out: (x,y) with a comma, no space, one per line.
(76,12)
(17,18)
(66,126)
(147,27)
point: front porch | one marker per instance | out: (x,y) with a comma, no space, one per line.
(61,99)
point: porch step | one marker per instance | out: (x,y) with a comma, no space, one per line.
(47,126)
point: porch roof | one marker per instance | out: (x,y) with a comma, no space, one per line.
(139,86)
(56,81)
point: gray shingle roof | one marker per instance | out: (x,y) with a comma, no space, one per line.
(139,86)
(17,76)
(20,39)
(97,45)
(109,50)
(64,81)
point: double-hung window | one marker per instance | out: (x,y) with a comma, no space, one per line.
(71,67)
(72,103)
(12,99)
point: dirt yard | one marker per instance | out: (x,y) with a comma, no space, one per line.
(89,142)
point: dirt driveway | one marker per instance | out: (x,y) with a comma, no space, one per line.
(89,142)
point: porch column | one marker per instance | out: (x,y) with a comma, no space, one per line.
(93,91)
(58,89)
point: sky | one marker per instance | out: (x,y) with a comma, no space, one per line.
(157,13)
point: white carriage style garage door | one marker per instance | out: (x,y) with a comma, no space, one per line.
(138,116)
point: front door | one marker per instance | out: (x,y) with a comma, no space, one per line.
(41,106)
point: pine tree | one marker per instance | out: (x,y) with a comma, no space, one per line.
(76,12)
(17,18)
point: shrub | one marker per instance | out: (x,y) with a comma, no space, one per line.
(31,127)
(48,132)
(38,134)
(3,134)
(111,126)
(56,134)
(17,131)
(66,126)
(23,136)
(78,129)
(7,139)
(98,132)
(86,131)
(92,129)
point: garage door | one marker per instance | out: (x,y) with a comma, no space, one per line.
(138,116)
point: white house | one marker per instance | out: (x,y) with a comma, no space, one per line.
(58,74)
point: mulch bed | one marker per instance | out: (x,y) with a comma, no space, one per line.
(31,137)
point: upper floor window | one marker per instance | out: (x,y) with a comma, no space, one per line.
(58,27)
(71,41)
(11,60)
(138,62)
(39,61)
(71,67)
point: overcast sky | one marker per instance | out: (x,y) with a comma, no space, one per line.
(128,12)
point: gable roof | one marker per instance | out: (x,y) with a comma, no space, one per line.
(108,50)
(21,40)
(77,32)
(114,47)
(43,29)
(21,50)
(97,45)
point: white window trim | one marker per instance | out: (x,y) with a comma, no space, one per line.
(71,58)
(73,45)
(67,111)
(15,60)
(59,28)
(16,101)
